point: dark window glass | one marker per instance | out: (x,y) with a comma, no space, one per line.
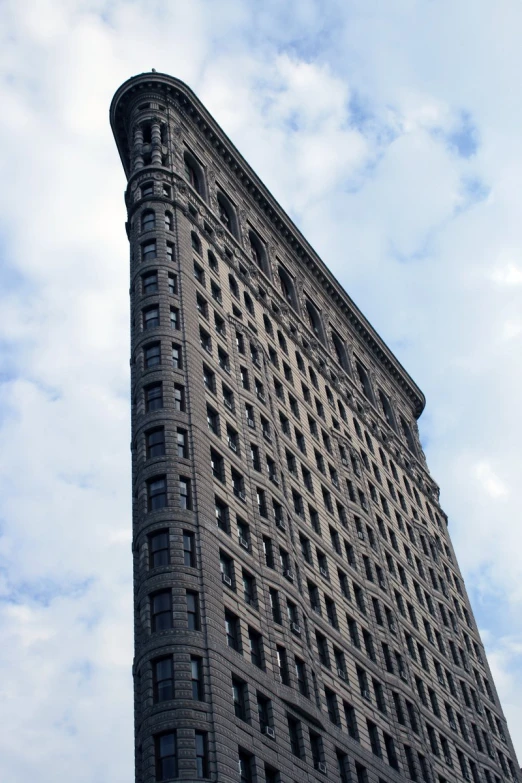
(161,610)
(166,757)
(163,679)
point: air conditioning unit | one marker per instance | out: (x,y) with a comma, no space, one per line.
(274,480)
(466,776)
(361,535)
(366,695)
(232,446)
(241,496)
(344,461)
(441,680)
(261,396)
(342,674)
(323,572)
(448,761)
(289,574)
(382,584)
(267,436)
(321,766)
(226,579)
(269,731)
(453,725)
(251,423)
(295,627)
(243,542)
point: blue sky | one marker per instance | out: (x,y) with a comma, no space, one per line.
(390,132)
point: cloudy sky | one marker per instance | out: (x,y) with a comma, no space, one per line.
(390,130)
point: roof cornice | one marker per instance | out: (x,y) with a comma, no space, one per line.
(178,91)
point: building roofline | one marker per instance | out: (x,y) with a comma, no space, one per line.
(276,214)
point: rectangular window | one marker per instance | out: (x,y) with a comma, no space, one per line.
(163,678)
(232,630)
(161,610)
(196,672)
(182,441)
(176,357)
(201,754)
(166,756)
(159,549)
(151,355)
(189,550)
(193,620)
(239,689)
(153,397)
(294,731)
(156,493)
(185,498)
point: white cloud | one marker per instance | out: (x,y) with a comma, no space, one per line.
(396,144)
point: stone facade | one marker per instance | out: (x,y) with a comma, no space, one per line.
(299,611)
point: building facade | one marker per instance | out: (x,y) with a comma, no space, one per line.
(299,611)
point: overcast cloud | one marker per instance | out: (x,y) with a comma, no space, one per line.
(391,133)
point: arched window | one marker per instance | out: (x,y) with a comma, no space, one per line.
(287,287)
(257,251)
(364,381)
(169,221)
(387,409)
(193,173)
(234,290)
(340,351)
(314,319)
(227,214)
(196,244)
(148,220)
(408,435)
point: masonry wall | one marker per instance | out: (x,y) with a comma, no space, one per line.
(324,469)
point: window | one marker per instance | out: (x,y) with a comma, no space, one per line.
(217,464)
(155,442)
(156,493)
(189,551)
(209,379)
(294,730)
(149,283)
(153,397)
(193,620)
(221,510)
(173,283)
(249,589)
(201,754)
(373,733)
(300,673)
(148,250)
(390,751)
(256,648)
(232,630)
(331,706)
(282,665)
(182,442)
(147,189)
(196,673)
(274,605)
(239,689)
(176,357)
(245,767)
(213,420)
(166,756)
(152,355)
(159,549)
(351,721)
(263,711)
(163,677)
(322,649)
(185,498)
(161,610)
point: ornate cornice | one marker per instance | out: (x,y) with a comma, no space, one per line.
(173,90)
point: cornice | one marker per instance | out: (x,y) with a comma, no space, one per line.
(177,91)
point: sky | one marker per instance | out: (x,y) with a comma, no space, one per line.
(390,133)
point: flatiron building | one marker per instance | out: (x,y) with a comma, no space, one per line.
(299,610)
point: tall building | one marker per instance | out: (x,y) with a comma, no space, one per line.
(299,611)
